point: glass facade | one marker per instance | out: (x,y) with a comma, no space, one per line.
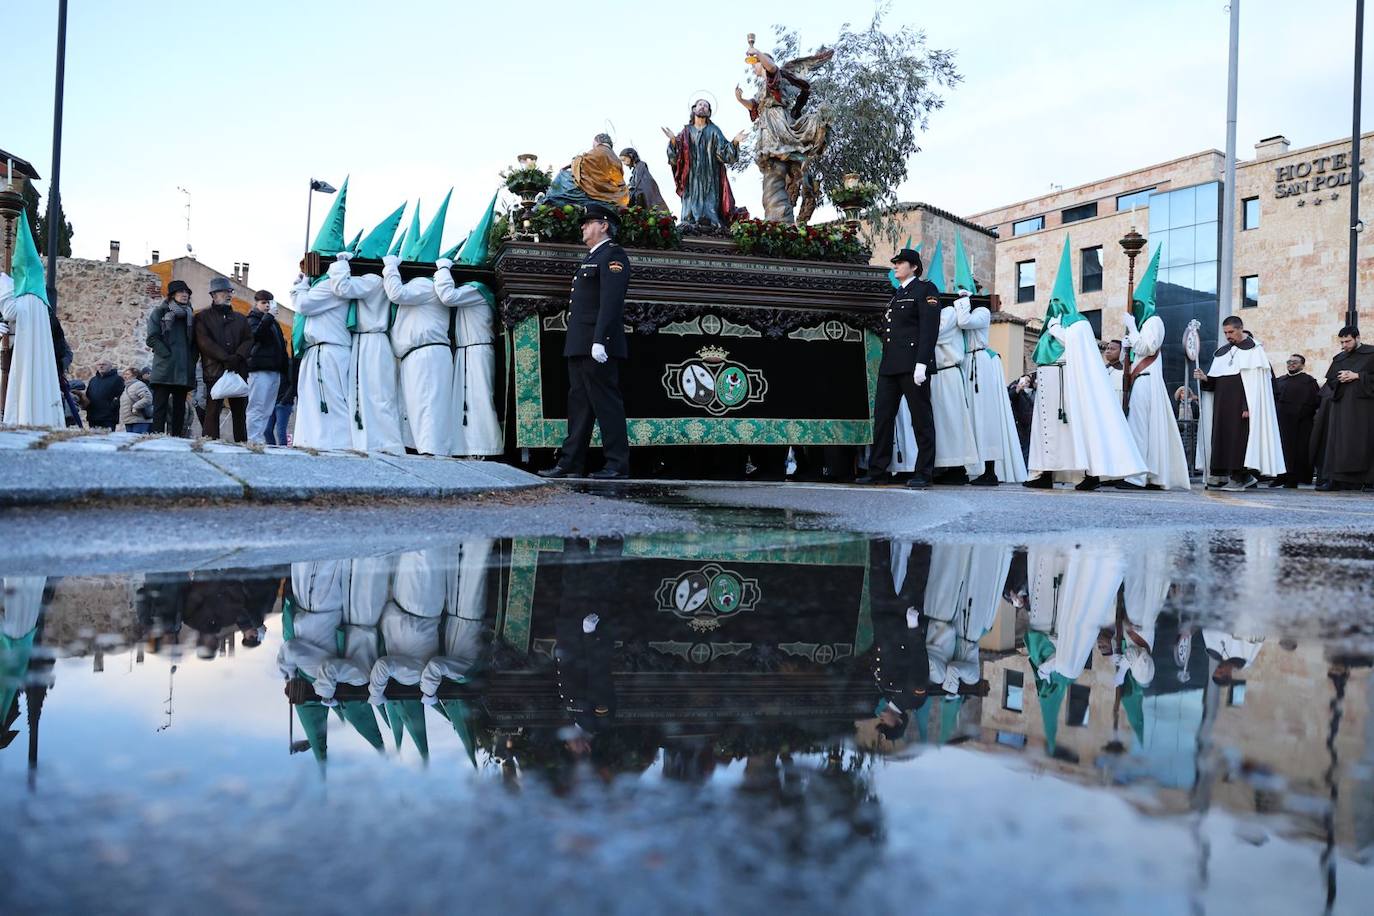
(1139,198)
(1034,224)
(1185,226)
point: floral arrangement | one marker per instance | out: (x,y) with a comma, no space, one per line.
(827,242)
(527,180)
(646,227)
(554,223)
(859,196)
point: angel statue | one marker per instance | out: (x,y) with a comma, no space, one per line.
(788,136)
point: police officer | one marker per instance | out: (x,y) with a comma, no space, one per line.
(595,350)
(898,573)
(910,326)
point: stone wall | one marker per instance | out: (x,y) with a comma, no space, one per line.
(103,308)
(927,225)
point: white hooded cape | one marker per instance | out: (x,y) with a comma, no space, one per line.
(419,338)
(985,389)
(374,397)
(322,415)
(1152,419)
(476,429)
(33,396)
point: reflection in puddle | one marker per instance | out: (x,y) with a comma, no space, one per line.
(800,667)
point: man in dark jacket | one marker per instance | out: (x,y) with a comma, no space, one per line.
(910,326)
(898,574)
(102,397)
(171,337)
(225,342)
(266,364)
(1295,397)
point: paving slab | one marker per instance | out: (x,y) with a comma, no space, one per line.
(453,477)
(19,439)
(215,447)
(164,444)
(270,477)
(40,476)
(85,444)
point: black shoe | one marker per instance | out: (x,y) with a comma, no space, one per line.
(1275,483)
(1088,484)
(608,474)
(871,479)
(557,473)
(917,483)
(1043,482)
(953,477)
(1153,486)
(986,479)
(1127,485)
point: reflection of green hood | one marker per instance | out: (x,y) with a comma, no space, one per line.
(1063,306)
(1039,649)
(1133,701)
(314,717)
(949,716)
(330,240)
(460,716)
(935,270)
(359,714)
(14,663)
(1143,302)
(409,714)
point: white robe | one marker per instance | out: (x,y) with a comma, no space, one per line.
(1073,598)
(1264,448)
(33,396)
(985,389)
(320,593)
(954,442)
(1152,419)
(410,623)
(476,429)
(1148,580)
(374,397)
(419,338)
(1092,436)
(322,416)
(464,609)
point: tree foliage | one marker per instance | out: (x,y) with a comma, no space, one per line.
(38,223)
(879,90)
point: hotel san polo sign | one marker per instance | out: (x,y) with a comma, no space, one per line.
(1315,180)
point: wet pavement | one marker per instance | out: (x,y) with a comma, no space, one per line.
(740,705)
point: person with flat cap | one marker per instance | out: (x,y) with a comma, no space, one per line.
(910,326)
(595,350)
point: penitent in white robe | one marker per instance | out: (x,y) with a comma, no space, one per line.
(322,418)
(476,429)
(410,622)
(1073,598)
(374,397)
(462,623)
(1152,419)
(985,389)
(955,446)
(1078,427)
(33,396)
(419,338)
(1264,448)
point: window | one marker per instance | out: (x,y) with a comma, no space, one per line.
(1013,694)
(1082,211)
(1090,272)
(1078,705)
(1139,198)
(1025,281)
(1237,694)
(1094,317)
(1249,213)
(1034,224)
(1249,292)
(1011,739)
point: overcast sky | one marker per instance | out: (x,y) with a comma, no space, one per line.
(242,103)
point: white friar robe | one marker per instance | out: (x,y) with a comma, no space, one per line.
(476,429)
(374,397)
(1264,448)
(322,418)
(1078,427)
(33,396)
(1151,418)
(462,623)
(410,621)
(419,338)
(985,389)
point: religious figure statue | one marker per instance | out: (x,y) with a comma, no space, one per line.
(594,175)
(788,136)
(644,190)
(700,156)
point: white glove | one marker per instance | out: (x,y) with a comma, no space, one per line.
(913,618)
(429,699)
(391,261)
(599,353)
(963,300)
(6,284)
(443,263)
(1126,343)
(344,256)
(302,281)
(4,329)
(1131,329)
(950,684)
(1053,322)
(919,376)
(589,623)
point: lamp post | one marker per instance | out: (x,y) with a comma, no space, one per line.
(1352,312)
(55,192)
(323,187)
(1131,243)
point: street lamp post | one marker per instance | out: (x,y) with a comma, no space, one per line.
(1352,312)
(1131,243)
(323,187)
(55,192)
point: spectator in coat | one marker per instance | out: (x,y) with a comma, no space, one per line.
(135,404)
(102,397)
(225,341)
(267,363)
(171,337)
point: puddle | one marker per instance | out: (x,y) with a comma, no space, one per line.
(757,714)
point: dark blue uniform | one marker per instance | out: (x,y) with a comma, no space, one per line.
(910,326)
(597,316)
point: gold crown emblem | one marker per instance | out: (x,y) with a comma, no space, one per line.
(713,354)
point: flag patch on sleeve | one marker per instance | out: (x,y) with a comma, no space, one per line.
(616,267)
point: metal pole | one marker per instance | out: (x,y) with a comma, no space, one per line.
(1228,191)
(55,192)
(309,199)
(1352,312)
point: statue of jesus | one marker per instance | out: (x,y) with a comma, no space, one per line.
(699,155)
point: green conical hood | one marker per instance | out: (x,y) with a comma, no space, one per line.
(379,239)
(392,713)
(477,248)
(949,717)
(963,274)
(935,270)
(1143,302)
(413,715)
(1051,694)
(28,267)
(892,274)
(452,253)
(427,250)
(360,715)
(922,719)
(458,714)
(330,240)
(1133,701)
(1063,306)
(411,235)
(314,718)
(14,662)
(356,241)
